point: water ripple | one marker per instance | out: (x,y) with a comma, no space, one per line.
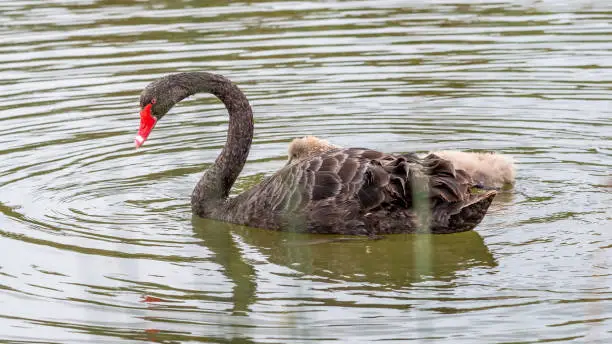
(104,232)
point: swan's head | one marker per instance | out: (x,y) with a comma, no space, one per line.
(307,146)
(155,101)
(162,94)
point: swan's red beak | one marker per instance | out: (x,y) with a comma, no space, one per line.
(147,122)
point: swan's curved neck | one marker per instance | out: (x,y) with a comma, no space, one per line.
(214,186)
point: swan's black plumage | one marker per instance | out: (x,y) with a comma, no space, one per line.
(361,191)
(343,191)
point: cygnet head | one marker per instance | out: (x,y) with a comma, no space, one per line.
(307,146)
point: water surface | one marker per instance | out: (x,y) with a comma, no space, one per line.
(98,240)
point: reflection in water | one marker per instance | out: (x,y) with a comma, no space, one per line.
(395,261)
(218,237)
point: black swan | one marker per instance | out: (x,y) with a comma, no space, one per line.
(488,170)
(341,191)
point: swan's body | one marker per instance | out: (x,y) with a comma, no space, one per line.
(343,191)
(488,170)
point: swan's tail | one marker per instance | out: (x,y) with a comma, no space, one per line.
(455,206)
(462,216)
(470,215)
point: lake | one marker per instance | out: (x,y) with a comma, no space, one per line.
(97,238)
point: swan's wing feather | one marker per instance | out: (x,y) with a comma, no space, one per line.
(334,175)
(338,188)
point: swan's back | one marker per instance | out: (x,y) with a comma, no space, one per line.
(361,191)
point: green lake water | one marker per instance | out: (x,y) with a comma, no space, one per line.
(97,239)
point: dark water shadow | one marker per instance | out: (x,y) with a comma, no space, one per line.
(394,262)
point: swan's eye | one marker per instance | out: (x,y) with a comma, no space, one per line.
(153,101)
